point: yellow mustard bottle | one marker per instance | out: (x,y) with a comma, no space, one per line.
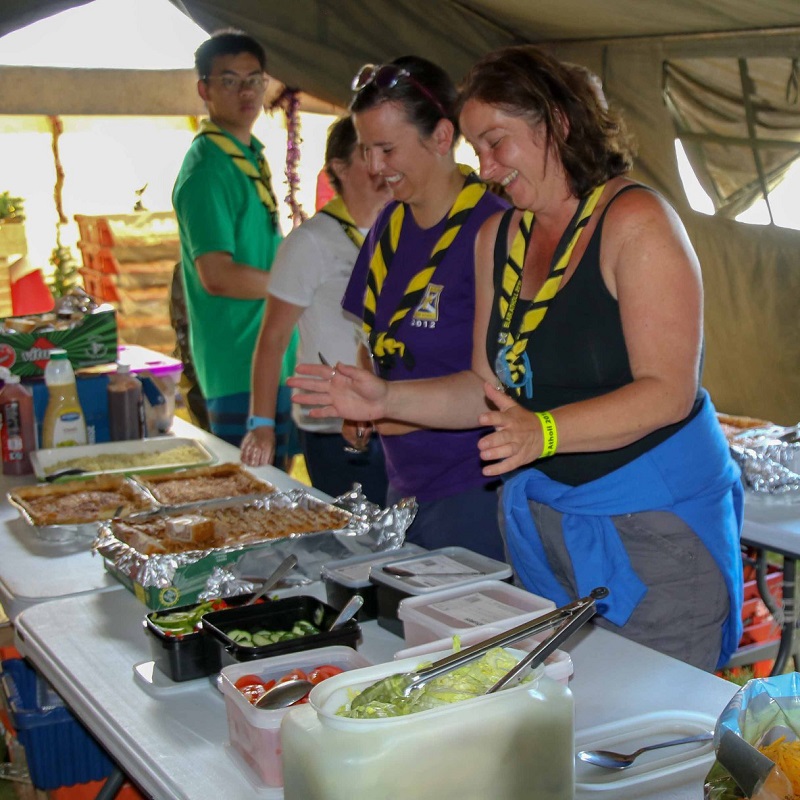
(64,421)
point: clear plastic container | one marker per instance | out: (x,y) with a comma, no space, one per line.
(350,576)
(440,754)
(480,605)
(434,571)
(255,734)
(557,666)
(160,376)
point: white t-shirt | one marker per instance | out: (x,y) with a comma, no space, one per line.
(312,269)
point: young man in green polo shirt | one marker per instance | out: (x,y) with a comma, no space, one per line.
(228,222)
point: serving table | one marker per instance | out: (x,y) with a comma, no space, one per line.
(34,571)
(84,633)
(774,525)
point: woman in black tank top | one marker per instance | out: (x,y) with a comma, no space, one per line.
(587,351)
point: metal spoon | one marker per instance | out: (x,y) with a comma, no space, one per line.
(287,565)
(402,572)
(64,473)
(285,694)
(611,760)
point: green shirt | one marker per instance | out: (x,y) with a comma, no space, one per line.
(218,209)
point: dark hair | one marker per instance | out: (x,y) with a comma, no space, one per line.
(421,111)
(341,143)
(526,82)
(228,42)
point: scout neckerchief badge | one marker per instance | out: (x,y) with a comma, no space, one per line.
(261,177)
(384,345)
(338,210)
(512,365)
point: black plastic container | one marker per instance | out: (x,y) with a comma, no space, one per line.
(190,656)
(347,577)
(450,561)
(279,615)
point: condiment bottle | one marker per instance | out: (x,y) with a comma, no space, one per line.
(125,405)
(64,421)
(17,426)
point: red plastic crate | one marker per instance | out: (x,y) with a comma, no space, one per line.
(99,286)
(88,791)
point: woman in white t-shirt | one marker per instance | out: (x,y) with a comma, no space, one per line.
(309,276)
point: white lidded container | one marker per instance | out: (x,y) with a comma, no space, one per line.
(517,743)
(557,666)
(477,605)
(256,734)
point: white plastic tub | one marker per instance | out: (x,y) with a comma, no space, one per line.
(513,744)
(256,734)
(481,605)
(558,665)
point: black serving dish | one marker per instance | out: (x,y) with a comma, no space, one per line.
(190,655)
(278,615)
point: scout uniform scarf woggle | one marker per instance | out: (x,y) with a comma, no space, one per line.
(384,345)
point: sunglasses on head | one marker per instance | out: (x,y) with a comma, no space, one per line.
(387,76)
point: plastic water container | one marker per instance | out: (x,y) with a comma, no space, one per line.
(439,754)
(479,605)
(160,376)
(256,734)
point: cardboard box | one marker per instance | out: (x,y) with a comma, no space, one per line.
(91,341)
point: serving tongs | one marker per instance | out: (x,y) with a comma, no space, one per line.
(567,619)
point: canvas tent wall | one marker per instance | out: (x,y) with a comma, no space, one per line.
(647,53)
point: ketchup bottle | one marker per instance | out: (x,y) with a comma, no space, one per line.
(17,426)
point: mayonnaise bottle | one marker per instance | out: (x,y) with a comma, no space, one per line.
(64,422)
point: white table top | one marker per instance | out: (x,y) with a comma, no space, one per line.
(85,635)
(173,740)
(33,570)
(773,524)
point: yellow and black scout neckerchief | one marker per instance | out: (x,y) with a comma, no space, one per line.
(261,177)
(383,344)
(512,365)
(338,210)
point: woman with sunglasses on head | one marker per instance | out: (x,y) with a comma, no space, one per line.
(588,352)
(414,287)
(309,275)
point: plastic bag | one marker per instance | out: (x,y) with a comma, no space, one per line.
(759,712)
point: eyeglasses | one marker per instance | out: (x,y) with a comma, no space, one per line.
(387,76)
(252,83)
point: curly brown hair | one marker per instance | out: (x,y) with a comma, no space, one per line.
(524,81)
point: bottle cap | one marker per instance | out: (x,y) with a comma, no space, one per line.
(5,373)
(56,354)
(123,368)
(11,378)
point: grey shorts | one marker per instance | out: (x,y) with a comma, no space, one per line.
(687,601)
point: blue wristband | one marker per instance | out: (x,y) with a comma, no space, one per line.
(260,422)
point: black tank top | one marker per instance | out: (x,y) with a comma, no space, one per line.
(576,353)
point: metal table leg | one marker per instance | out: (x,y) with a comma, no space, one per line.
(114,782)
(786,648)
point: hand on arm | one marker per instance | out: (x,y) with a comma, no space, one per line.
(280,317)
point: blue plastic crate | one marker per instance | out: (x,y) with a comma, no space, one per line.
(59,750)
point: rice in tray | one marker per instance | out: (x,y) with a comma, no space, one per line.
(107,462)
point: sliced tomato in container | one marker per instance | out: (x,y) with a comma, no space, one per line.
(323,672)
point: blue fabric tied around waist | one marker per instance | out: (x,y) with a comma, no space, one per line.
(691,474)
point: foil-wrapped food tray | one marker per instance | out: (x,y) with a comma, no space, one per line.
(769,458)
(63,512)
(173,556)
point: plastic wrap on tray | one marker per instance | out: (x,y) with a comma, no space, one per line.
(167,579)
(769,458)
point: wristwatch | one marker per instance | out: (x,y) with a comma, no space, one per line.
(259,422)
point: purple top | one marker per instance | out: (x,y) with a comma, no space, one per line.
(429,464)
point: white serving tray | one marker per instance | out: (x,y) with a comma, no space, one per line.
(44,460)
(658,770)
